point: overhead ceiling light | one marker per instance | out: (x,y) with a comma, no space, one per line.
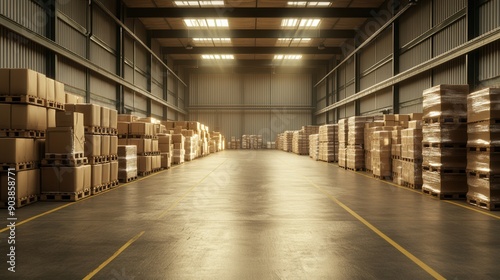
(288,56)
(198,3)
(293,41)
(206,23)
(212,41)
(217,56)
(302,23)
(309,4)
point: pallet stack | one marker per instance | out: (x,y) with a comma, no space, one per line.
(314,146)
(251,142)
(235,143)
(65,173)
(127,163)
(218,141)
(166,147)
(396,149)
(179,153)
(299,144)
(370,128)
(280,138)
(444,132)
(411,154)
(343,130)
(483,148)
(328,143)
(381,154)
(287,141)
(190,144)
(355,142)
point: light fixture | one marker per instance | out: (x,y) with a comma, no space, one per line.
(287,56)
(309,4)
(212,42)
(293,41)
(217,56)
(206,23)
(302,23)
(198,3)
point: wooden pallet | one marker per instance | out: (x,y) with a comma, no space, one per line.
(23,99)
(445,120)
(487,149)
(68,197)
(54,105)
(144,173)
(386,178)
(113,157)
(99,189)
(481,203)
(410,185)
(113,184)
(444,145)
(93,130)
(128,179)
(411,160)
(21,133)
(136,136)
(444,196)
(96,160)
(354,169)
(64,162)
(64,156)
(21,202)
(149,154)
(113,131)
(442,170)
(395,157)
(18,166)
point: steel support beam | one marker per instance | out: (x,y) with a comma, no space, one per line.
(395,65)
(472,32)
(250,50)
(253,33)
(120,104)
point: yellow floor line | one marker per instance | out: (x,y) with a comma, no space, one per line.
(478,210)
(405,252)
(116,254)
(164,213)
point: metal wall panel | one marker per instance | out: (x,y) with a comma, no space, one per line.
(128,73)
(384,44)
(76,10)
(26,13)
(141,81)
(415,55)
(140,31)
(321,119)
(215,89)
(71,39)
(384,72)
(128,98)
(18,52)
(71,74)
(451,37)
(350,109)
(415,22)
(230,123)
(291,89)
(320,105)
(172,83)
(443,9)
(103,88)
(489,17)
(349,74)
(157,109)
(367,81)
(410,93)
(102,57)
(104,28)
(256,89)
(452,73)
(171,115)
(350,90)
(157,90)
(128,46)
(140,103)
(321,92)
(142,57)
(373,104)
(368,57)
(282,120)
(258,123)
(157,72)
(109,4)
(489,58)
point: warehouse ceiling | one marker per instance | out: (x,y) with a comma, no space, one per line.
(251,31)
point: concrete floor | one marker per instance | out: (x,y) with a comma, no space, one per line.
(256,215)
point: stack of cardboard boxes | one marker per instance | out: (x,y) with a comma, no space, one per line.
(166,147)
(287,141)
(370,128)
(314,146)
(251,142)
(101,144)
(343,130)
(381,154)
(411,153)
(355,142)
(279,143)
(328,143)
(235,143)
(299,144)
(127,163)
(190,144)
(483,148)
(179,154)
(444,132)
(219,141)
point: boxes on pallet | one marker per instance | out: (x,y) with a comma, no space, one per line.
(71,99)
(154,145)
(91,112)
(105,145)
(144,163)
(105,117)
(314,146)
(64,179)
(5,116)
(113,171)
(4,81)
(113,145)
(96,174)
(51,117)
(92,145)
(23,82)
(140,128)
(113,118)
(70,119)
(106,173)
(28,117)
(143,145)
(123,128)
(445,100)
(59,93)
(127,118)
(17,150)
(166,160)
(64,140)
(27,187)
(127,162)
(381,153)
(50,90)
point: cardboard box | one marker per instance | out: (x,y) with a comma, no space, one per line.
(123,128)
(33,187)
(65,179)
(445,100)
(166,148)
(113,173)
(127,118)
(69,119)
(106,173)
(96,175)
(165,139)
(113,145)
(416,124)
(188,133)
(483,105)
(194,126)
(39,149)
(71,99)
(5,115)
(51,117)
(105,117)
(91,112)
(4,81)
(416,116)
(144,163)
(60,94)
(41,86)
(51,90)
(140,128)
(126,151)
(179,146)
(166,160)
(178,138)
(122,141)
(23,82)
(17,150)
(154,145)
(105,145)
(178,130)
(143,145)
(181,124)
(50,179)
(28,117)
(113,118)
(64,140)
(92,145)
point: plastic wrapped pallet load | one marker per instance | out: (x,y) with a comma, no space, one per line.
(127,162)
(314,146)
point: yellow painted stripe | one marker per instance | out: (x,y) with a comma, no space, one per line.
(164,213)
(88,197)
(116,254)
(478,210)
(405,252)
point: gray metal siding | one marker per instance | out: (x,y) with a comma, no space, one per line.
(71,38)
(415,56)
(256,89)
(18,52)
(415,22)
(216,89)
(71,74)
(104,28)
(321,119)
(489,16)
(410,93)
(102,88)
(489,58)
(291,89)
(443,9)
(451,37)
(453,72)
(171,115)
(26,13)
(102,57)
(157,109)
(373,104)
(74,10)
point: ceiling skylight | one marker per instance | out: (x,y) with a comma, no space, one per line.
(288,56)
(198,3)
(212,42)
(300,23)
(206,23)
(217,56)
(309,4)
(293,41)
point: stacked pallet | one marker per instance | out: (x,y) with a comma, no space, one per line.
(314,146)
(166,147)
(444,132)
(235,143)
(251,142)
(178,153)
(218,142)
(370,128)
(483,149)
(287,141)
(65,173)
(127,163)
(328,143)
(299,144)
(355,142)
(280,138)
(343,130)
(190,144)
(396,149)
(411,154)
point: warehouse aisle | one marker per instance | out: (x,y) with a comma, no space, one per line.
(256,215)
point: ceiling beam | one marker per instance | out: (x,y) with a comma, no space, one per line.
(312,63)
(250,50)
(252,33)
(248,12)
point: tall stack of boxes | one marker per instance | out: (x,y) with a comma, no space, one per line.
(251,142)
(328,143)
(235,143)
(444,132)
(217,137)
(370,128)
(381,154)
(127,163)
(355,142)
(299,144)
(411,153)
(314,146)
(190,144)
(65,174)
(280,138)
(287,141)
(483,148)
(166,147)
(343,130)
(178,152)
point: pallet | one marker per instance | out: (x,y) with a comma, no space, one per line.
(127,180)
(113,184)
(18,166)
(54,105)
(96,160)
(395,157)
(445,120)
(385,178)
(441,170)
(149,154)
(20,202)
(368,170)
(64,156)
(492,177)
(23,99)
(113,131)
(113,157)
(94,130)
(21,133)
(487,149)
(411,160)
(68,197)
(64,162)
(144,173)
(444,196)
(140,136)
(354,169)
(410,185)
(99,189)
(481,203)
(444,145)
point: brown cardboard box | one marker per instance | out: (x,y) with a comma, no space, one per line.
(166,160)
(416,116)
(17,150)
(445,183)
(75,179)
(39,149)
(165,139)
(113,118)
(483,105)
(23,82)
(140,128)
(96,175)
(178,138)
(113,145)
(123,128)
(33,187)
(127,151)
(445,100)
(106,173)
(51,179)
(51,90)
(122,141)
(113,173)
(51,117)
(91,112)
(182,124)
(194,126)
(168,124)
(445,133)
(64,140)
(143,145)
(70,119)
(105,117)
(4,81)
(144,163)
(154,145)
(179,146)
(92,145)
(178,130)
(5,115)
(105,145)
(485,162)
(188,133)
(41,86)
(71,99)
(417,124)
(166,148)
(28,117)
(127,118)
(60,94)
